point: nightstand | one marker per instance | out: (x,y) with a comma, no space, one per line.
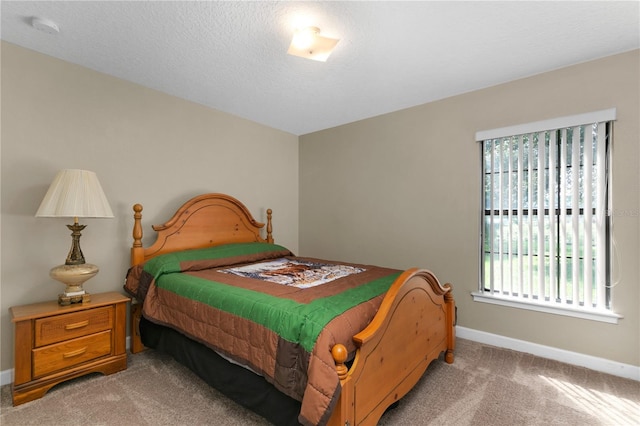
(55,343)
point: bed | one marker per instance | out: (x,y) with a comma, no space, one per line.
(297,340)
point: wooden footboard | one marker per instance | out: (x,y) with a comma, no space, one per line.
(413,326)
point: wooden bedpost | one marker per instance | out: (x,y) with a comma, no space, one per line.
(269,227)
(137,256)
(343,412)
(134,323)
(451,322)
(137,251)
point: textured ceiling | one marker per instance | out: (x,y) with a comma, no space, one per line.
(231,56)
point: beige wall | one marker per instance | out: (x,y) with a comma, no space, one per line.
(402,190)
(145,146)
(399,190)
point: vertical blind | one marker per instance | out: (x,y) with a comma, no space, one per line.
(545,236)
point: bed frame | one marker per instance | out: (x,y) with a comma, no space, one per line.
(414,325)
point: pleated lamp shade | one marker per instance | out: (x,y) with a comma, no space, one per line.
(75,193)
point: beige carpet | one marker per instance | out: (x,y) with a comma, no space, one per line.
(485,386)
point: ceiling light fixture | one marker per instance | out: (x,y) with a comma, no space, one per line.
(308,43)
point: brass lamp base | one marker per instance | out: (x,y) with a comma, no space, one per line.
(73,276)
(64,300)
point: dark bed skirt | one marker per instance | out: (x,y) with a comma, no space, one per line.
(237,383)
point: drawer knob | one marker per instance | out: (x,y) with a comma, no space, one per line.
(74,353)
(76,325)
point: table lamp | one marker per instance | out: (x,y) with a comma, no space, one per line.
(74,193)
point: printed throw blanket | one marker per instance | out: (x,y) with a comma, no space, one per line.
(293,272)
(283,332)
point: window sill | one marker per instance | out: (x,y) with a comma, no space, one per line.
(602,316)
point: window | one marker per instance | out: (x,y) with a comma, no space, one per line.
(546,227)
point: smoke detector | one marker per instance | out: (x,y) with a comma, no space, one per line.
(45,25)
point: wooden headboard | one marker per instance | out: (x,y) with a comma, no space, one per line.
(203,221)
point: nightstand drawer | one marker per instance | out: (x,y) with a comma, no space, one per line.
(68,326)
(63,355)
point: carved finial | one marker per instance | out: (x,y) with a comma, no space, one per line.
(269,227)
(449,294)
(339,353)
(137,225)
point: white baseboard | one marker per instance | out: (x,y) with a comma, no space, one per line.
(594,363)
(6,376)
(603,365)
